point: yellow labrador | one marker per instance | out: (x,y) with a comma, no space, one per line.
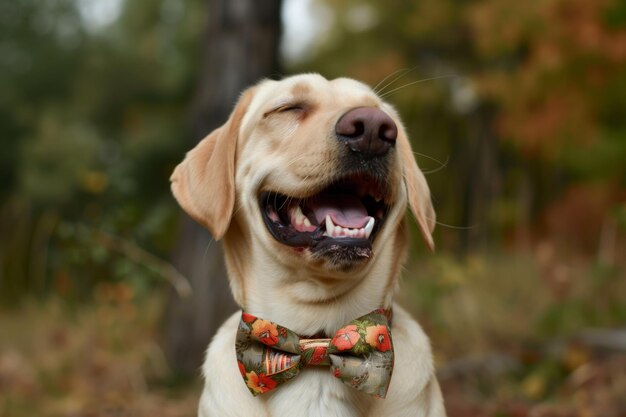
(307,184)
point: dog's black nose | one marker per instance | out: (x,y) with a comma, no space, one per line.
(367,130)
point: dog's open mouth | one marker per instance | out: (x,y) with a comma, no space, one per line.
(347,214)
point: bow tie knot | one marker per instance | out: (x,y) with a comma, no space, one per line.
(315,351)
(360,354)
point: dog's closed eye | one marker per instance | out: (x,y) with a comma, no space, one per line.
(297,107)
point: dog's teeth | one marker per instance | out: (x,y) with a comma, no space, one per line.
(369,227)
(297,215)
(273,216)
(333,230)
(307,222)
(330,227)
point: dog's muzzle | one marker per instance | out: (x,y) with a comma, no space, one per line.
(342,219)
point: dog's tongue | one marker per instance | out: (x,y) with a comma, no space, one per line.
(344,210)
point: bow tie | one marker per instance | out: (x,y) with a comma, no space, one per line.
(360,354)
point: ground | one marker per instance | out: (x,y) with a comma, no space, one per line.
(499,350)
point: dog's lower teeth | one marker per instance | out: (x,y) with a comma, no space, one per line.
(369,227)
(338,231)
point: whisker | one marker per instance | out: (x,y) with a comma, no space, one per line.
(237,209)
(450,226)
(432,158)
(388,93)
(439,168)
(293,161)
(399,77)
(404,70)
(285,203)
(206,250)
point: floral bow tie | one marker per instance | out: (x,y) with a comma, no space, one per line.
(360,354)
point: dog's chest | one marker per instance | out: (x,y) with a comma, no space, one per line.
(315,393)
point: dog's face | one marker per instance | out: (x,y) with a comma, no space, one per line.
(317,173)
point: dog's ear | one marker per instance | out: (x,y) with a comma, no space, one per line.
(417,191)
(204,183)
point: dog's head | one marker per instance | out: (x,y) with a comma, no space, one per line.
(317,173)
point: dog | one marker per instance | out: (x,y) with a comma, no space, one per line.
(307,185)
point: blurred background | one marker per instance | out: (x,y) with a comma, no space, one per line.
(517,113)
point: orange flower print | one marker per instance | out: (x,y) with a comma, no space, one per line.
(378,337)
(259,383)
(242,369)
(346,337)
(248,318)
(265,331)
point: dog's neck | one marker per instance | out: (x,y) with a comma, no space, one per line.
(308,302)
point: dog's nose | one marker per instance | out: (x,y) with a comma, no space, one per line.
(367,130)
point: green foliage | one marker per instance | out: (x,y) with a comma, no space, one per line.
(93,121)
(615,15)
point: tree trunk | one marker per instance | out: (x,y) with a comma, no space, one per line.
(241,48)
(482,181)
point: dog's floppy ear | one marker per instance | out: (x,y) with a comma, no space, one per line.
(418,192)
(204,183)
